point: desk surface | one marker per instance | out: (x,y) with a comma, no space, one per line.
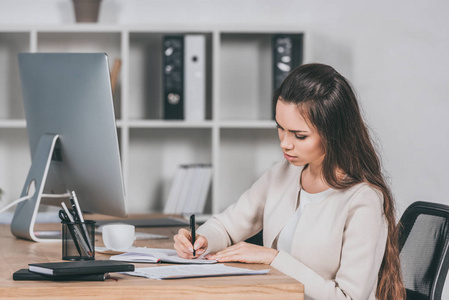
(16,254)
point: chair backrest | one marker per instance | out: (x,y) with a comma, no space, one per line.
(423,245)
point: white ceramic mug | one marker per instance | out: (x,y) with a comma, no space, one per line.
(118,236)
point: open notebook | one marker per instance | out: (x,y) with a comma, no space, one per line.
(155,255)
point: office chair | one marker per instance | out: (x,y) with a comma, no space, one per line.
(256,239)
(423,246)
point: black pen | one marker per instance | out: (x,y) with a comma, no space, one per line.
(192,232)
(65,219)
(77,208)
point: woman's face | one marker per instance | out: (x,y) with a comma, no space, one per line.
(300,143)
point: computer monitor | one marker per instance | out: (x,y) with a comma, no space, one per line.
(72,136)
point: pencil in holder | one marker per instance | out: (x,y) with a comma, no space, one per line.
(78,240)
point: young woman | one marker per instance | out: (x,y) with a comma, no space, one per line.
(327,215)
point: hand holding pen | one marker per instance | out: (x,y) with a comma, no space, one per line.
(184,246)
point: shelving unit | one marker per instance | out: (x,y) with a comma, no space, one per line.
(238,136)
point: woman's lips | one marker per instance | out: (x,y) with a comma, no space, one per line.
(289,157)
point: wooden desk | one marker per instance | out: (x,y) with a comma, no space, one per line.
(16,254)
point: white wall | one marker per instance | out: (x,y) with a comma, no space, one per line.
(396,53)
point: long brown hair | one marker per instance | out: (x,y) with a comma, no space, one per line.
(326,99)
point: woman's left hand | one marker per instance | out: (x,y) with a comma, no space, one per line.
(246,253)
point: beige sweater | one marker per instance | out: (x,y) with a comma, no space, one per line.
(337,247)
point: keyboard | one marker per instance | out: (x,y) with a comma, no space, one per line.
(141,235)
(149,236)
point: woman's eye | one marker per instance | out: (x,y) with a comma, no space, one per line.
(300,137)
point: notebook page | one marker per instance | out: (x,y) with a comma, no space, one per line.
(188,271)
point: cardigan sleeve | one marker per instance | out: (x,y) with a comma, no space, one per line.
(362,252)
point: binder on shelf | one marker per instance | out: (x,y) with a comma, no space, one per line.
(287,54)
(175,190)
(189,190)
(200,204)
(194,77)
(193,194)
(173,79)
(186,186)
(184,79)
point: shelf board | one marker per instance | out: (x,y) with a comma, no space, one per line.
(256,124)
(167,124)
(87,27)
(263,124)
(13,123)
(105,27)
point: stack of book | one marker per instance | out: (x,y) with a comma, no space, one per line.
(189,190)
(89,270)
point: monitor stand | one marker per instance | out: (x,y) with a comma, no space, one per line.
(22,225)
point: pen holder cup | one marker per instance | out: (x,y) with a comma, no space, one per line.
(78,240)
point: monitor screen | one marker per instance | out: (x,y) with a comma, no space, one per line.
(69,113)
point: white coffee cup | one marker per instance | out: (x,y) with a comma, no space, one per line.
(118,236)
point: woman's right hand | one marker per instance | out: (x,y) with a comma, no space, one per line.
(183,244)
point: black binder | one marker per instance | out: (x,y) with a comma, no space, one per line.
(173,79)
(26,275)
(287,54)
(82,267)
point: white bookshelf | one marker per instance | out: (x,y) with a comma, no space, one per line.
(238,136)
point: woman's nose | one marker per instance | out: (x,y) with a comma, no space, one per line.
(286,142)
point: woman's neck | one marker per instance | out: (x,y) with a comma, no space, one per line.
(312,180)
(315,171)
